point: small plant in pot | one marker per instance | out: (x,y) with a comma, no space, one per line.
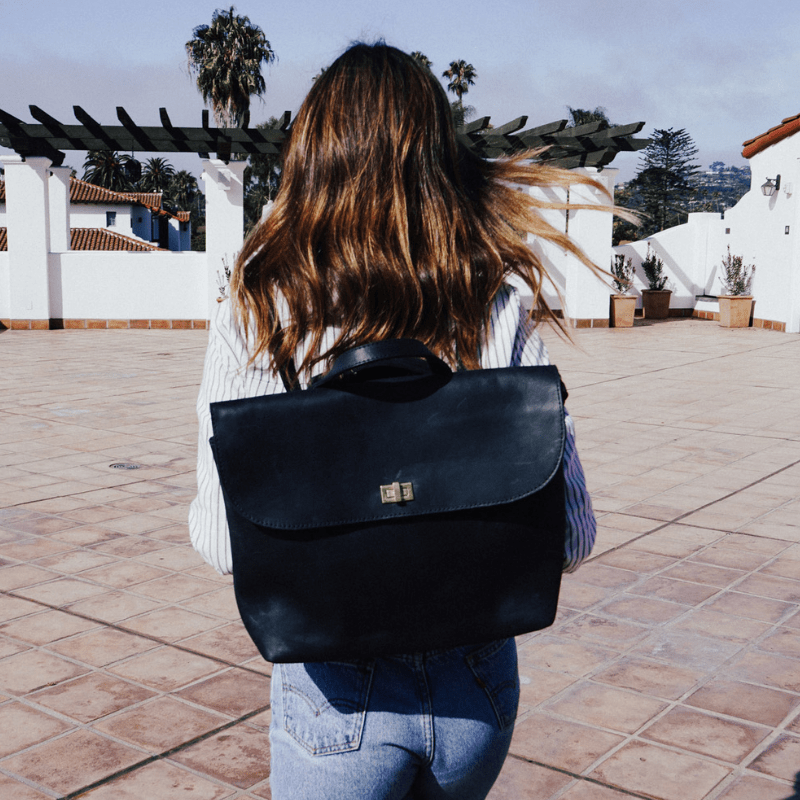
(623,305)
(736,304)
(655,299)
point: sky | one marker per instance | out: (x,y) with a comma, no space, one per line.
(725,70)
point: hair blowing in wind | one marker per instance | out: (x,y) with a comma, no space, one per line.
(386,227)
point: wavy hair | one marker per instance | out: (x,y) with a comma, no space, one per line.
(385,226)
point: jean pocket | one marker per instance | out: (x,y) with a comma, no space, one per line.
(495,669)
(324,704)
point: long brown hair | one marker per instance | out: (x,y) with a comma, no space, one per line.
(385,226)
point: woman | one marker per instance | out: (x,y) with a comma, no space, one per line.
(385,227)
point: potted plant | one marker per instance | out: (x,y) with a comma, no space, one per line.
(623,305)
(655,299)
(735,306)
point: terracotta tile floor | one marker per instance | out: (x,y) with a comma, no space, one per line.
(673,671)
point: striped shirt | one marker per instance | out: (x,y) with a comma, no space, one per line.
(511,341)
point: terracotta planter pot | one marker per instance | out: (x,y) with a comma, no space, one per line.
(734,310)
(621,310)
(656,303)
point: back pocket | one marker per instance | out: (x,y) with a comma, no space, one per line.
(324,704)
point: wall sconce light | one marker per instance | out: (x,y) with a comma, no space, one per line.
(770,187)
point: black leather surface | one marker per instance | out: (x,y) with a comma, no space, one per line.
(323,569)
(319,457)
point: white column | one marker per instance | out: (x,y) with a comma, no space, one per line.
(59,209)
(28,221)
(224,219)
(586,295)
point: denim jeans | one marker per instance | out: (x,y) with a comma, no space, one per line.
(421,726)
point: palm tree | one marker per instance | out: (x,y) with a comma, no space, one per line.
(182,191)
(109,169)
(422,59)
(156,175)
(226,58)
(461,76)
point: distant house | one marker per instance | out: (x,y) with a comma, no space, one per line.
(101,219)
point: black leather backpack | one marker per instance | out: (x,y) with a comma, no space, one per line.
(395,506)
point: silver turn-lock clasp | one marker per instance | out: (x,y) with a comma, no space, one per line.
(397,492)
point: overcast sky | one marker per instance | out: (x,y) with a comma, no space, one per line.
(725,70)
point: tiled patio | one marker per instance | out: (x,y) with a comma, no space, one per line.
(672,673)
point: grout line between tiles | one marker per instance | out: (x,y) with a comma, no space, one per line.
(677,520)
(166,754)
(123,629)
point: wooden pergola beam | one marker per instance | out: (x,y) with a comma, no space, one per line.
(585,145)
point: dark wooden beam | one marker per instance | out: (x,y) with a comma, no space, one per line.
(95,128)
(584,145)
(142,139)
(510,127)
(475,126)
(177,134)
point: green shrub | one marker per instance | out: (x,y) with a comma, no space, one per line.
(735,277)
(653,268)
(622,273)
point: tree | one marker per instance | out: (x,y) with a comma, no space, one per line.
(182,191)
(109,169)
(262,179)
(664,183)
(461,113)
(583,116)
(461,76)
(226,58)
(422,59)
(157,173)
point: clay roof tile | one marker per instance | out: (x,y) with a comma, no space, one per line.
(104,239)
(788,127)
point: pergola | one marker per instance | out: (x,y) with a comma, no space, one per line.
(590,145)
(44,284)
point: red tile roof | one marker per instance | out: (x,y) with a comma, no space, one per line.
(788,126)
(96,239)
(85,192)
(104,239)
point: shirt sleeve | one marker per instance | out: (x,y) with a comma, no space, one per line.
(514,341)
(226,376)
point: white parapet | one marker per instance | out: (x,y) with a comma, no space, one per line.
(28,223)
(224,218)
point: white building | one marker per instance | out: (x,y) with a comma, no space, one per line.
(101,219)
(762,228)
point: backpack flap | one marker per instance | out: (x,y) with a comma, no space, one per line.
(383,448)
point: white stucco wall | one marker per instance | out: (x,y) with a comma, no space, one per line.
(584,295)
(687,251)
(100,285)
(758,227)
(5,287)
(765,231)
(93,215)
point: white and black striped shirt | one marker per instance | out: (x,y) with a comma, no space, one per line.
(512,341)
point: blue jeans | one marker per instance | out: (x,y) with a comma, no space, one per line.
(422,726)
